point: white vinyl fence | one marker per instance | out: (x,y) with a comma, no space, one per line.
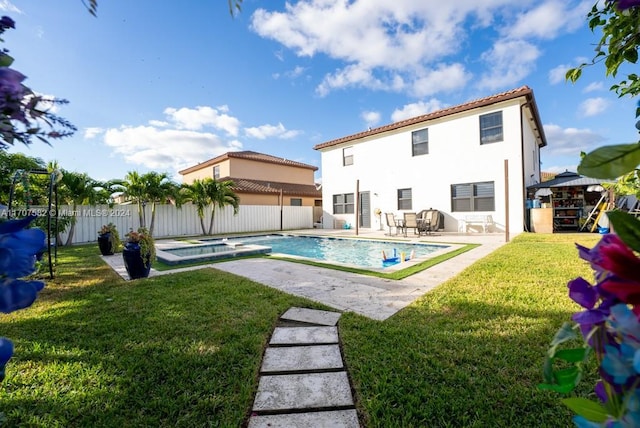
(173,222)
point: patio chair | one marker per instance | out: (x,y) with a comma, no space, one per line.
(391,222)
(426,222)
(410,222)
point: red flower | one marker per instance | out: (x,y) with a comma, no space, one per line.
(623,267)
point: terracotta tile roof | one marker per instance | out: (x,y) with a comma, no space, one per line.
(546,176)
(255,156)
(243,185)
(523,91)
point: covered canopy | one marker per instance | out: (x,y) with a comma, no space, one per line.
(566,179)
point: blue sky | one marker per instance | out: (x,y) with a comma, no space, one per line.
(156,85)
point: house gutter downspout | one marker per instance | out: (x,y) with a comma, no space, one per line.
(524,202)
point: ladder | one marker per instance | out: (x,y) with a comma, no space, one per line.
(605,207)
(599,206)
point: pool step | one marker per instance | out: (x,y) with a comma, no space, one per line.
(303,381)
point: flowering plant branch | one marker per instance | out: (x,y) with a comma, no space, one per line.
(23,113)
(609,322)
(19,249)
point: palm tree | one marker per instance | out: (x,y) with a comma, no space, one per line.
(151,187)
(76,189)
(135,190)
(160,189)
(196,192)
(221,194)
(106,189)
(210,192)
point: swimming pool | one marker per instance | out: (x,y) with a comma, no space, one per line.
(353,252)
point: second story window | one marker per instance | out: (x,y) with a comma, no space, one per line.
(296,202)
(347,156)
(491,128)
(420,142)
(216,172)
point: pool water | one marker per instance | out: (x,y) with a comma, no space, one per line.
(357,252)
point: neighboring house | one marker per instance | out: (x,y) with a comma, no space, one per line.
(468,161)
(261,179)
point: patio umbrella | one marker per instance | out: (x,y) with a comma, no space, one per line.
(544,191)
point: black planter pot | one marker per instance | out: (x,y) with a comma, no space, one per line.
(133,262)
(104,243)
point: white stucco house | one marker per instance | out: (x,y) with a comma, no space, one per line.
(468,161)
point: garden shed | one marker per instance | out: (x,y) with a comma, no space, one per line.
(567,203)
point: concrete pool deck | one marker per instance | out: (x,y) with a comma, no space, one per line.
(369,296)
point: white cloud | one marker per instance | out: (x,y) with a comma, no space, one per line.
(7,6)
(158,123)
(508,62)
(569,141)
(593,87)
(548,19)
(371,118)
(557,74)
(406,46)
(92,132)
(352,75)
(443,78)
(204,116)
(297,71)
(163,149)
(416,109)
(271,131)
(593,106)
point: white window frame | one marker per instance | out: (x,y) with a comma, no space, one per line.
(405,199)
(343,203)
(420,142)
(491,128)
(347,156)
(475,193)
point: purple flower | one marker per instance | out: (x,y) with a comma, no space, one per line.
(11,82)
(6,351)
(616,362)
(18,248)
(18,294)
(626,4)
(583,293)
(6,23)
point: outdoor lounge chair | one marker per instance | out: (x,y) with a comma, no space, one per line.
(430,221)
(410,222)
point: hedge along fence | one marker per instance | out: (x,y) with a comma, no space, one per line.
(173,222)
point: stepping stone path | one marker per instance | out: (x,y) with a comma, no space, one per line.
(303,381)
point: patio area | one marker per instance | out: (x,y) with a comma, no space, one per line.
(373,297)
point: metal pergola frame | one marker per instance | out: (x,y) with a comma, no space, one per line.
(52,207)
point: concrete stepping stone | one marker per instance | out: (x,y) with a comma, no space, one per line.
(311,316)
(304,335)
(329,419)
(301,358)
(303,391)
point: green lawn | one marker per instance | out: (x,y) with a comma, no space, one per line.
(184,349)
